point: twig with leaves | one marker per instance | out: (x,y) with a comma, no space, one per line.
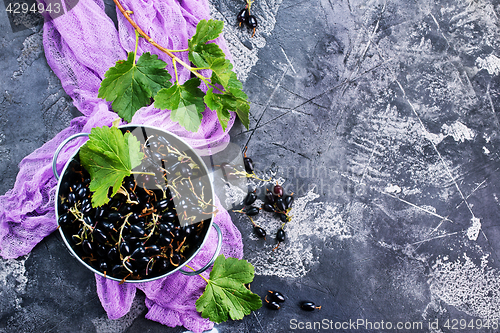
(132,83)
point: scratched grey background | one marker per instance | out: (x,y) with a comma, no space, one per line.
(381,117)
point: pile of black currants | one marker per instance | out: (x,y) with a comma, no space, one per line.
(246,18)
(156,221)
(275,201)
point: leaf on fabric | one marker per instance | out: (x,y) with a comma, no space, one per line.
(241,105)
(130,86)
(221,68)
(230,96)
(109,156)
(232,99)
(206,31)
(185,101)
(215,102)
(199,52)
(225,295)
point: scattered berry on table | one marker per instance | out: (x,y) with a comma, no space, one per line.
(242,16)
(309,306)
(272,304)
(261,233)
(276,296)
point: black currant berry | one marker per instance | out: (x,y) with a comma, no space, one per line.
(250,198)
(87,246)
(118,270)
(124,249)
(280,235)
(138,252)
(175,259)
(261,233)
(251,22)
(268,207)
(137,231)
(273,305)
(283,217)
(86,206)
(101,250)
(103,266)
(99,236)
(71,199)
(247,161)
(242,16)
(276,296)
(64,219)
(280,205)
(100,212)
(309,306)
(152,249)
(114,217)
(252,211)
(113,254)
(269,197)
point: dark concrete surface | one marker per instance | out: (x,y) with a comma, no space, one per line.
(379,115)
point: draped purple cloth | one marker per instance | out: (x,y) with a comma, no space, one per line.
(80,46)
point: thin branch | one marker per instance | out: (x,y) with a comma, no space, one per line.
(175,70)
(126,13)
(136,45)
(170,53)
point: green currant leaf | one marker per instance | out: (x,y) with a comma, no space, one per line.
(154,70)
(211,49)
(202,55)
(236,87)
(242,109)
(221,68)
(232,99)
(225,294)
(214,102)
(109,156)
(186,103)
(205,31)
(130,86)
(201,51)
(197,59)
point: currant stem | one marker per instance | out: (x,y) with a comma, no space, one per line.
(208,83)
(175,69)
(204,278)
(136,45)
(169,52)
(253,222)
(142,173)
(120,237)
(249,4)
(249,175)
(140,31)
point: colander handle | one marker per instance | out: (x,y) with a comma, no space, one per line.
(58,150)
(216,254)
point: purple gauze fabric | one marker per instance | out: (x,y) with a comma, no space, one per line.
(80,46)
